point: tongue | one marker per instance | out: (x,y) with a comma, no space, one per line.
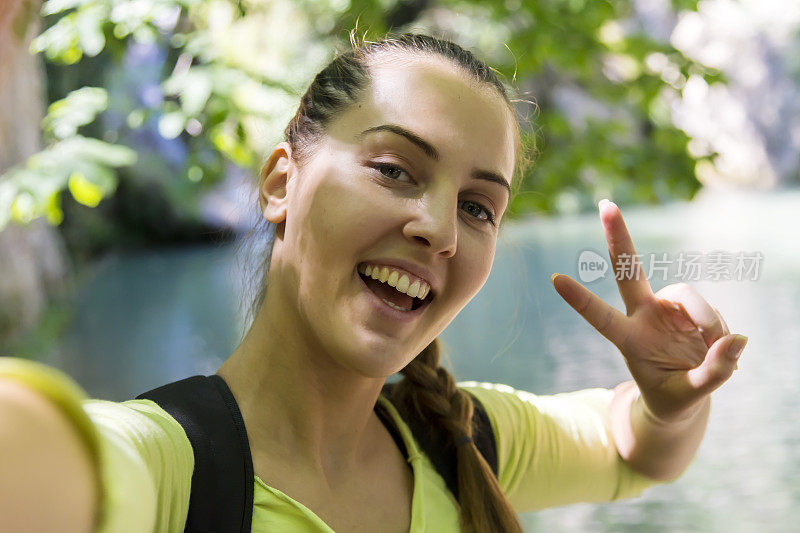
(384,290)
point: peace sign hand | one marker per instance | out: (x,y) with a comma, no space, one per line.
(676,346)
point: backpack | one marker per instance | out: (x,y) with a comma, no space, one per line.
(221,497)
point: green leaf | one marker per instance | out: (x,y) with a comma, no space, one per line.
(195,93)
(51,7)
(52,209)
(99,152)
(89,25)
(80,107)
(59,42)
(227,142)
(171,124)
(23,208)
(84,191)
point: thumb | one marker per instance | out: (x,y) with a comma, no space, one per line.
(718,365)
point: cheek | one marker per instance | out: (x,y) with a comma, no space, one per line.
(340,216)
(470,271)
(479,270)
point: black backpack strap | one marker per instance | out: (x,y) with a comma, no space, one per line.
(222,482)
(443,455)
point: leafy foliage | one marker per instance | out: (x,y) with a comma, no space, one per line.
(595,92)
(81,164)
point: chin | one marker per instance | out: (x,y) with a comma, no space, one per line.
(377,363)
(378,368)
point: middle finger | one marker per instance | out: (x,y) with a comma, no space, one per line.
(633,285)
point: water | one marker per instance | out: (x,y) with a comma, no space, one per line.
(148,318)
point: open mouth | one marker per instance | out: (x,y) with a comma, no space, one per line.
(393,298)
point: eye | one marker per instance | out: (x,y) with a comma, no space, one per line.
(476,210)
(390,171)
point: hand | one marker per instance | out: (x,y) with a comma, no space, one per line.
(675,344)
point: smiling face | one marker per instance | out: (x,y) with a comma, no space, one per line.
(415,171)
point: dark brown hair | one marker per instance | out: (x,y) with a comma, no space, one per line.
(427,388)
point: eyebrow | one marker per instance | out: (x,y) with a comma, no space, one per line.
(431,152)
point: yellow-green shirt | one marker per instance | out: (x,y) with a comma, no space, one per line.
(552,450)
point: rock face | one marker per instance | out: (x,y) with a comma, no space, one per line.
(32,267)
(32,259)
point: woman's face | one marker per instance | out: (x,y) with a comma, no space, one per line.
(430,205)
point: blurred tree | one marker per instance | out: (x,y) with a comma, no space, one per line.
(197,87)
(32,262)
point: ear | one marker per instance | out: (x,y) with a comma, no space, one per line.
(273,195)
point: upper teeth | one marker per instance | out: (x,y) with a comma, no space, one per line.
(397,279)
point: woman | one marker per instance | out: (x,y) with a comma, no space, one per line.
(386,199)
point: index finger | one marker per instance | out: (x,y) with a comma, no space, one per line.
(605,319)
(628,271)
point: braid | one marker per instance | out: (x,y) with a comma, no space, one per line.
(430,391)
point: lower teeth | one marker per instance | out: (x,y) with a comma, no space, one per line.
(390,304)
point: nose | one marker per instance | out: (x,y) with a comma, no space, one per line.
(435,224)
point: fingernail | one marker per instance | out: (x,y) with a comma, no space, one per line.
(553,277)
(736,347)
(600,203)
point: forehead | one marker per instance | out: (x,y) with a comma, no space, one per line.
(467,121)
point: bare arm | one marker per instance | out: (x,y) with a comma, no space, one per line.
(658,449)
(47,477)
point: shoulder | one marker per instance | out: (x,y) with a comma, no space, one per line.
(147,463)
(143,422)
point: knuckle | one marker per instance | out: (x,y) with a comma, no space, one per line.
(608,319)
(585,305)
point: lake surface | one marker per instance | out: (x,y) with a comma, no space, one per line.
(143,319)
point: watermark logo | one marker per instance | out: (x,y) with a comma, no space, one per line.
(717,265)
(591,266)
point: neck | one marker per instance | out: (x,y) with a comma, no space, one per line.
(298,402)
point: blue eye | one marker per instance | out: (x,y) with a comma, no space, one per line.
(489,215)
(393,172)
